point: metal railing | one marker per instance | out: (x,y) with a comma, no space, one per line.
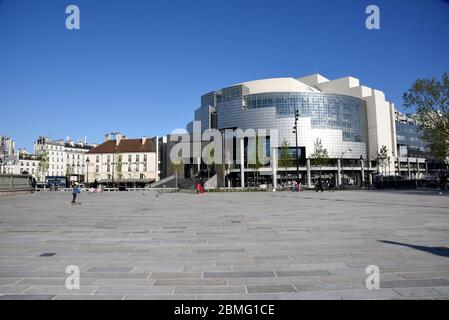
(167,190)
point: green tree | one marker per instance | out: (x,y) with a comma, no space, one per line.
(382,158)
(430,100)
(258,157)
(320,156)
(210,158)
(119,164)
(68,172)
(43,165)
(285,157)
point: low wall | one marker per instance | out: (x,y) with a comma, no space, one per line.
(11,184)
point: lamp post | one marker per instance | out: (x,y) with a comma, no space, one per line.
(340,165)
(362,171)
(114,134)
(87,169)
(295,131)
(3,164)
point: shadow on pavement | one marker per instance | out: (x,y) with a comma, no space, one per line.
(439,251)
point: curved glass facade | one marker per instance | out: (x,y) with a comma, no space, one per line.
(326,110)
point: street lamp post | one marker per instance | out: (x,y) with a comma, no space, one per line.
(4,162)
(340,165)
(295,131)
(114,134)
(362,171)
(113,164)
(87,170)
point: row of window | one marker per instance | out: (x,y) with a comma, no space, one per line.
(109,168)
(130,158)
(28,164)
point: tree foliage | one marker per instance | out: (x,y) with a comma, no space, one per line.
(430,99)
(382,157)
(285,157)
(43,164)
(320,156)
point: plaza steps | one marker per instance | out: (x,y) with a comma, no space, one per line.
(170,182)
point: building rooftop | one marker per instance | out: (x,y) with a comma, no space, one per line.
(278,85)
(125,146)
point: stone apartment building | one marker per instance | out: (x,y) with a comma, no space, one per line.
(119,160)
(65,157)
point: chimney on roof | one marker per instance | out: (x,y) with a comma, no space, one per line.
(118,138)
(107,137)
(144,139)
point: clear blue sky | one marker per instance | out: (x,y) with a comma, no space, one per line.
(140,67)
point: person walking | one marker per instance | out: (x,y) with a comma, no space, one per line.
(294,186)
(95,184)
(320,185)
(75,191)
(331,186)
(33,184)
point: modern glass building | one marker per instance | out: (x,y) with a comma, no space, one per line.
(352,121)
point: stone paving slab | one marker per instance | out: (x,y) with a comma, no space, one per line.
(271,289)
(283,245)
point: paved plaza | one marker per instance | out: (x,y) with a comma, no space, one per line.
(283,245)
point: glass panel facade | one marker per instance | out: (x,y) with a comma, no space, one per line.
(327,111)
(232,93)
(409,141)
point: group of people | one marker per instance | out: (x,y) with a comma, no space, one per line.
(96,187)
(320,183)
(296,186)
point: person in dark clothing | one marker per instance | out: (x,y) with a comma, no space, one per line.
(319,185)
(331,186)
(95,184)
(443,182)
(33,184)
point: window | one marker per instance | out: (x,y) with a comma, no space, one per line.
(109,158)
(130,158)
(97,168)
(97,159)
(137,158)
(145,157)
